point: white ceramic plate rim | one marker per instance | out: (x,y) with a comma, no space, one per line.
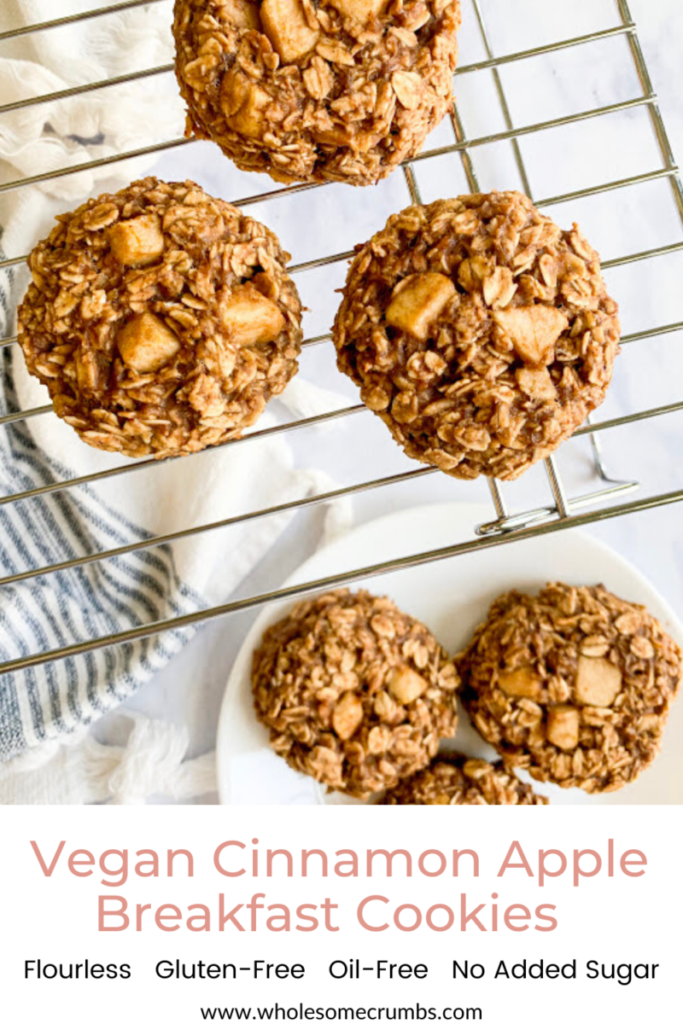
(328,560)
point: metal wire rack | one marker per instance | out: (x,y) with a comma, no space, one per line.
(561,511)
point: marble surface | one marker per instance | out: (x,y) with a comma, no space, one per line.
(649,374)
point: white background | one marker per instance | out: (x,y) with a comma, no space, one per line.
(612,920)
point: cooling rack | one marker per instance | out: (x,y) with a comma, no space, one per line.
(563,508)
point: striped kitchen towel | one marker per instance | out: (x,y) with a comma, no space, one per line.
(46,703)
(43,705)
(45,710)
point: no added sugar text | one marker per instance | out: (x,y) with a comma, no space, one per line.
(347,970)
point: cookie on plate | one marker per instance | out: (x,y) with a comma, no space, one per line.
(340,90)
(574,684)
(455,779)
(480,333)
(354,692)
(161,320)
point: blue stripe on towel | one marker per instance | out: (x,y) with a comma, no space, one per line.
(50,701)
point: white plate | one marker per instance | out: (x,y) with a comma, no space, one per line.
(451,596)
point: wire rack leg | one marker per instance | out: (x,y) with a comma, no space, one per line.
(562,508)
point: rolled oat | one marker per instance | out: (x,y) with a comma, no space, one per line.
(479,332)
(454,779)
(575,685)
(340,90)
(161,320)
(354,692)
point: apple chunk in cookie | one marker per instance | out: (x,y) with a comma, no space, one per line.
(354,692)
(479,332)
(453,780)
(162,320)
(573,684)
(331,90)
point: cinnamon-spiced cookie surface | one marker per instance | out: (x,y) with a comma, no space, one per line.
(354,692)
(316,90)
(162,320)
(453,779)
(479,332)
(574,685)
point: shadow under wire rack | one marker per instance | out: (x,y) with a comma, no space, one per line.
(562,510)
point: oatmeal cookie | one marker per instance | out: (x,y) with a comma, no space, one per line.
(479,332)
(354,692)
(161,320)
(575,685)
(455,779)
(316,90)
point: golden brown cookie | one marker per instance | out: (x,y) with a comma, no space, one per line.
(354,692)
(455,779)
(161,320)
(479,332)
(575,685)
(340,90)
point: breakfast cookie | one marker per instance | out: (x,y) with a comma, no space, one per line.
(479,332)
(575,685)
(161,320)
(455,779)
(316,90)
(354,692)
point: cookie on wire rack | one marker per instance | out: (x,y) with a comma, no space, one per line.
(336,90)
(479,332)
(354,692)
(455,780)
(573,684)
(162,320)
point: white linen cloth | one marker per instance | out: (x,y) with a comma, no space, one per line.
(46,754)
